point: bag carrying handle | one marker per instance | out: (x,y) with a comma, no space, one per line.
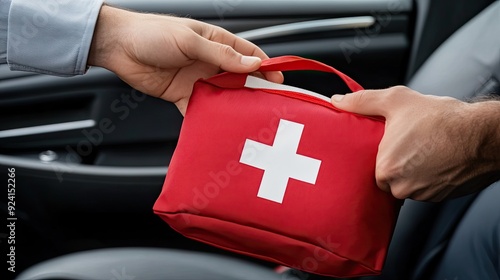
(282,63)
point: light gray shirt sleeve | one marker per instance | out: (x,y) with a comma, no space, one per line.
(50,36)
(4,18)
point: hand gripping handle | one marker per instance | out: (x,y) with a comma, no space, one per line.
(282,63)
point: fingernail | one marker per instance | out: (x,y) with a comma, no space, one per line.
(337,97)
(249,60)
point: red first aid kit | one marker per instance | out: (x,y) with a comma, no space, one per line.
(278,173)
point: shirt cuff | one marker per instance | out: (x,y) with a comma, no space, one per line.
(51,37)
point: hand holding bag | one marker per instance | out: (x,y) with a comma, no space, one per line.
(278,173)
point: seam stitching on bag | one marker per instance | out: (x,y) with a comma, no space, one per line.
(261,229)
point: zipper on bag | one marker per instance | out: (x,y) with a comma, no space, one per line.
(290,91)
(297,93)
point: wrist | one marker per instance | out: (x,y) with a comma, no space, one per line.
(106,41)
(486,116)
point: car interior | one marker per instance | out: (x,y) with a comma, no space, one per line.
(91,153)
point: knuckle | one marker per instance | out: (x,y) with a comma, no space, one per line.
(383,179)
(400,88)
(359,97)
(397,91)
(381,175)
(383,169)
(390,179)
(451,100)
(226,50)
(400,192)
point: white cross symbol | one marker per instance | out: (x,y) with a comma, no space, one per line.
(280,161)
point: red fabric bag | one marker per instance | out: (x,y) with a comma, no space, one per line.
(278,173)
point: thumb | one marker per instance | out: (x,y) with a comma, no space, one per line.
(364,102)
(227,58)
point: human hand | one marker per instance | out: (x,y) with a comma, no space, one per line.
(433,147)
(163,56)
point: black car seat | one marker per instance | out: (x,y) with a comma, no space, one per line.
(145,264)
(465,66)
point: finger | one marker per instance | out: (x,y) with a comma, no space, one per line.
(375,102)
(239,44)
(383,181)
(248,48)
(182,105)
(243,47)
(224,56)
(228,59)
(276,77)
(384,185)
(364,102)
(258,75)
